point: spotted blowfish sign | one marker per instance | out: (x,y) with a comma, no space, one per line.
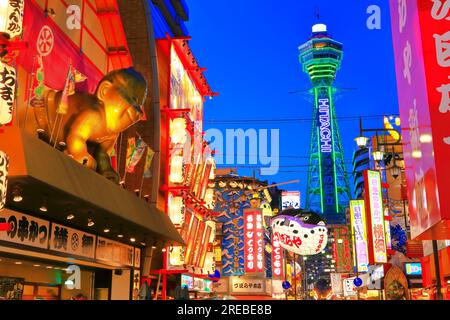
(301,233)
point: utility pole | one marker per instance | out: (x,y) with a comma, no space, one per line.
(437,270)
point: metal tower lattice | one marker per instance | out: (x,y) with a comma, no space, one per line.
(328,190)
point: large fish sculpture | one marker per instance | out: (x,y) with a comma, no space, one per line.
(303,233)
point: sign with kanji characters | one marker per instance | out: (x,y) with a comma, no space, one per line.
(253,240)
(26,230)
(359,234)
(72,241)
(375,217)
(137,258)
(421,38)
(290,199)
(4,162)
(247,285)
(7,92)
(277,257)
(113,252)
(11,17)
(342,249)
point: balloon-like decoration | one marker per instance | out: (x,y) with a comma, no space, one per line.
(216,275)
(286,285)
(303,233)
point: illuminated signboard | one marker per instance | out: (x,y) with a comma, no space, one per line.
(325,144)
(4,161)
(290,199)
(299,237)
(375,217)
(359,234)
(421,35)
(341,249)
(253,240)
(413,269)
(187,281)
(387,228)
(259,241)
(277,257)
(7,87)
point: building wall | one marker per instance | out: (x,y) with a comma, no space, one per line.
(120,287)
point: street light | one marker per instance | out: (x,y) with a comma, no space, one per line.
(361,141)
(378,155)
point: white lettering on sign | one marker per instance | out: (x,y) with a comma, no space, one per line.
(74,18)
(402,13)
(440,9)
(407,62)
(443,49)
(324,119)
(445,100)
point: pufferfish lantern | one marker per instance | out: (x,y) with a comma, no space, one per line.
(303,233)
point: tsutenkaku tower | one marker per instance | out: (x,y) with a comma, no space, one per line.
(328,190)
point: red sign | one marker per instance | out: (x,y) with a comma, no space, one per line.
(253,241)
(376,235)
(341,249)
(44,37)
(277,257)
(421,37)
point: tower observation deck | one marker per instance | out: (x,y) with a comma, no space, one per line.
(328,189)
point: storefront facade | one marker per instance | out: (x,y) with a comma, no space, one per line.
(62,213)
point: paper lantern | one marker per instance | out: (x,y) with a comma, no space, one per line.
(11,17)
(299,237)
(176,210)
(7,89)
(176,169)
(178,133)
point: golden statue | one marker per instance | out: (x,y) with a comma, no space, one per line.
(91,123)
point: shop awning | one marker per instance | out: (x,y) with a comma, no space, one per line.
(44,174)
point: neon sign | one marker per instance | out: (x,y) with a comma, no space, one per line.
(325,131)
(374,204)
(359,234)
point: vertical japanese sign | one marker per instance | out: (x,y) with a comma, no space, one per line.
(325,142)
(4,162)
(259,240)
(421,37)
(375,217)
(277,257)
(12,17)
(253,240)
(341,249)
(359,234)
(7,92)
(249,239)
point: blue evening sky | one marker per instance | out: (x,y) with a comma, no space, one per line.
(250,50)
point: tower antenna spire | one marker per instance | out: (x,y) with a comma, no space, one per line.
(317,13)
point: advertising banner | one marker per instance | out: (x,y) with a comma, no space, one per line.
(342,249)
(349,287)
(114,252)
(359,234)
(72,242)
(325,142)
(375,217)
(277,257)
(8,90)
(26,230)
(420,34)
(290,199)
(253,240)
